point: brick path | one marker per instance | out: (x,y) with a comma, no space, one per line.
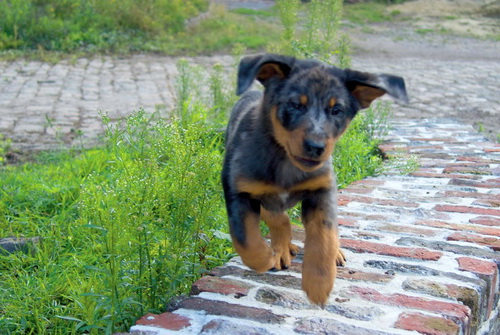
(422,254)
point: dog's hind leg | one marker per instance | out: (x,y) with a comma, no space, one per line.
(281,238)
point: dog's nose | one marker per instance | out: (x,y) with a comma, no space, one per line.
(314,149)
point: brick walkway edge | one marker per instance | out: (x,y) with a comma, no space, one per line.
(422,250)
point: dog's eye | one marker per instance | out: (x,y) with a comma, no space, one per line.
(297,106)
(335,110)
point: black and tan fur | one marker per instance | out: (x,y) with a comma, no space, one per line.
(278,152)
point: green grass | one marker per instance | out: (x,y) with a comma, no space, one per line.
(124,228)
(368,12)
(50,29)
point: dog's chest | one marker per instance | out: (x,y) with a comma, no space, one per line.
(278,202)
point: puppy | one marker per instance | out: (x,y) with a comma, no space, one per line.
(279,145)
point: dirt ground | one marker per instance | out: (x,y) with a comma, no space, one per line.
(444,30)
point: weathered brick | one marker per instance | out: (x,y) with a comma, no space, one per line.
(265,278)
(282,298)
(220,326)
(449,247)
(490,150)
(486,221)
(458,312)
(220,285)
(397,267)
(441,175)
(477,159)
(403,230)
(486,270)
(472,195)
(492,242)
(357,189)
(388,250)
(467,209)
(344,222)
(487,202)
(323,326)
(473,169)
(377,201)
(222,308)
(166,320)
(479,267)
(426,324)
(466,295)
(358,275)
(459,227)
(491,183)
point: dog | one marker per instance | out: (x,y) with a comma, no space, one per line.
(279,146)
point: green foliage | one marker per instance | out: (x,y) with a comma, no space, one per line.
(368,12)
(315,34)
(4,148)
(356,154)
(124,228)
(46,27)
(68,25)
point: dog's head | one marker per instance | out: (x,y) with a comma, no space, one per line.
(309,104)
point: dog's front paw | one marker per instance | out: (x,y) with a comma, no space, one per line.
(317,282)
(283,255)
(340,260)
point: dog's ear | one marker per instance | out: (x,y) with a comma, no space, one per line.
(262,67)
(366,87)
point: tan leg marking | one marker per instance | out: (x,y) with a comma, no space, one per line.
(321,252)
(255,254)
(281,238)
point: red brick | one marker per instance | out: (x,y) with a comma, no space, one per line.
(384,249)
(220,285)
(351,223)
(167,320)
(490,183)
(426,324)
(392,147)
(486,221)
(467,209)
(460,227)
(492,242)
(477,160)
(477,266)
(466,295)
(459,311)
(491,150)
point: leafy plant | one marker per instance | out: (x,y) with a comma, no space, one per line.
(313,35)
